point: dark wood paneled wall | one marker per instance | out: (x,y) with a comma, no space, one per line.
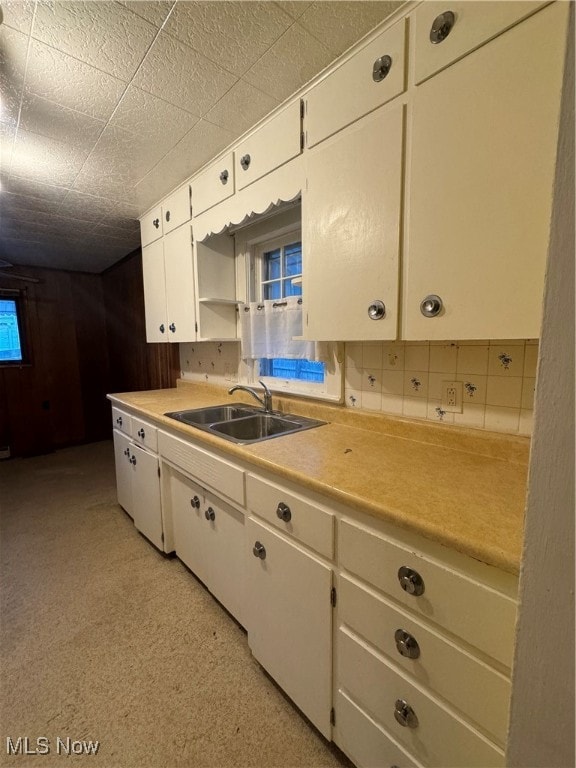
(87,338)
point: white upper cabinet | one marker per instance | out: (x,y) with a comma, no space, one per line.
(481,164)
(272,145)
(151,225)
(213,185)
(154,291)
(180,299)
(176,209)
(373,76)
(444,32)
(351,231)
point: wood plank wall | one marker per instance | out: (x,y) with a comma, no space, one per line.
(87,338)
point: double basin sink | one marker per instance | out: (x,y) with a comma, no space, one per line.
(242,423)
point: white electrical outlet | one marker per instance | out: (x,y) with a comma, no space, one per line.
(452,396)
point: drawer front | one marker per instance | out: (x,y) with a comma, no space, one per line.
(270,146)
(437,738)
(151,226)
(209,470)
(473,24)
(362,739)
(292,514)
(213,185)
(145,434)
(351,91)
(176,209)
(121,420)
(471,686)
(479,614)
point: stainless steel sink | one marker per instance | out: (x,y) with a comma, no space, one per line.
(242,423)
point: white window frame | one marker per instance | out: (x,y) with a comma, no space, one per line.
(251,250)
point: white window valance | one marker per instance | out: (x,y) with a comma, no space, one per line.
(268,330)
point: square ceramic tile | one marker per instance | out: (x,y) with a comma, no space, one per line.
(353,377)
(372,355)
(471,416)
(472,358)
(435,412)
(372,401)
(393,357)
(435,381)
(498,419)
(416,384)
(393,382)
(415,407)
(506,359)
(526,424)
(371,380)
(530,360)
(417,357)
(443,358)
(354,354)
(528,387)
(392,403)
(352,398)
(474,389)
(503,391)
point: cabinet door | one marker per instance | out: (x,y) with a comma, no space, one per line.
(146,495)
(289,620)
(179,269)
(151,226)
(213,185)
(351,220)
(176,209)
(481,174)
(189,524)
(154,292)
(123,471)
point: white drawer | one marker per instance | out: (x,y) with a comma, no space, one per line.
(176,209)
(145,434)
(209,470)
(474,23)
(151,226)
(121,420)
(213,185)
(471,686)
(479,614)
(439,738)
(351,91)
(363,740)
(272,145)
(305,521)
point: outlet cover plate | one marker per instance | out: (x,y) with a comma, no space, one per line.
(452,396)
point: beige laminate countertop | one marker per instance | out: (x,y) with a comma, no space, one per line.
(462,488)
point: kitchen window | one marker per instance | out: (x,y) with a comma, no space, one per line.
(12,337)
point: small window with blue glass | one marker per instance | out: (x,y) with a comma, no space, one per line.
(11,343)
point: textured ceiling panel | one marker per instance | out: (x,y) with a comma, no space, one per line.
(232,34)
(108,106)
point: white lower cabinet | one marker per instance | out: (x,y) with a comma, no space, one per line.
(289,619)
(123,470)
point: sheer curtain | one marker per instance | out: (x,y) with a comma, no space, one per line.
(268,329)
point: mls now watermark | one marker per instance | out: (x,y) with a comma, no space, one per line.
(42,745)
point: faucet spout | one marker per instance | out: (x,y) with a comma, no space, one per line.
(265,400)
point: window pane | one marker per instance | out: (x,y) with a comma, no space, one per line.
(292,290)
(10,348)
(304,370)
(272,264)
(273,290)
(293,259)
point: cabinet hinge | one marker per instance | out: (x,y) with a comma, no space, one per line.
(162,537)
(196,327)
(159,472)
(332,717)
(333,597)
(302,140)
(302,108)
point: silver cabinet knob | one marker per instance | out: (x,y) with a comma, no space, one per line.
(404,714)
(376,310)
(224,176)
(431,305)
(161,327)
(172,327)
(195,502)
(156,223)
(209,514)
(167,215)
(406,644)
(441,27)
(381,68)
(133,460)
(411,581)
(141,434)
(245,161)
(283,512)
(259,550)
(127,452)
(119,421)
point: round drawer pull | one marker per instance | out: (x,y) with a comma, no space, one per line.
(404,714)
(441,27)
(161,327)
(209,514)
(133,461)
(119,421)
(381,68)
(411,581)
(224,176)
(406,644)
(283,512)
(195,502)
(141,433)
(376,310)
(431,305)
(156,223)
(245,161)
(167,215)
(259,550)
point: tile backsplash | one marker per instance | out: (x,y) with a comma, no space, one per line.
(405,378)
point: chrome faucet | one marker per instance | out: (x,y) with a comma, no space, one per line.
(265,400)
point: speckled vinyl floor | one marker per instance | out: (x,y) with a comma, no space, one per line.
(105,640)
